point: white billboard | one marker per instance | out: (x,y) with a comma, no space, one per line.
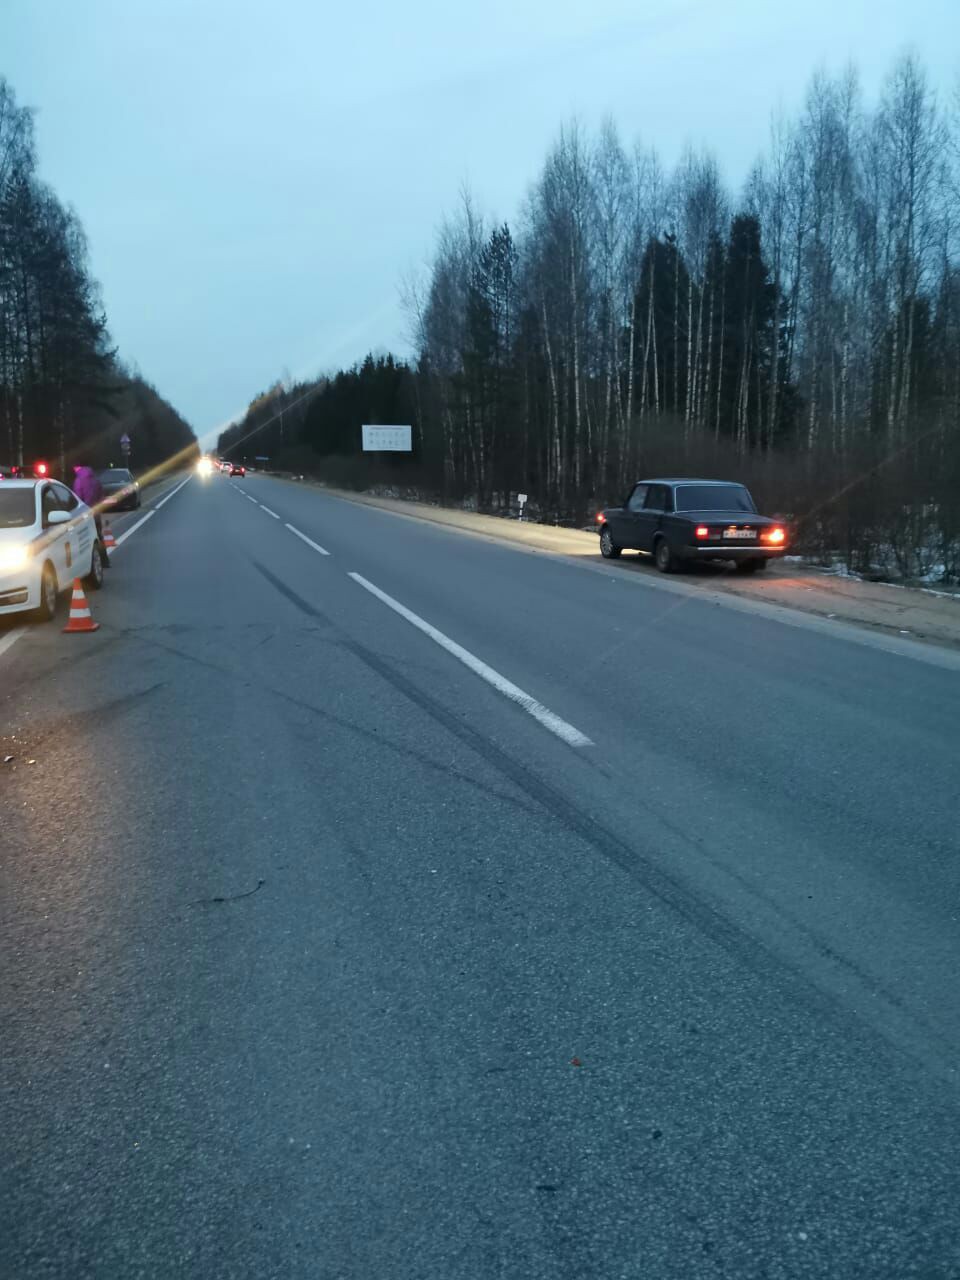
(386,439)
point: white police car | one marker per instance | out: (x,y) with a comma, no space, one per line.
(48,537)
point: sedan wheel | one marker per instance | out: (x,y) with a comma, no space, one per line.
(48,594)
(608,548)
(94,579)
(666,560)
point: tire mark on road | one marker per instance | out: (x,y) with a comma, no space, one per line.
(403,750)
(76,723)
(765,963)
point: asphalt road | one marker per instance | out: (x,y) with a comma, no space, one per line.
(620,941)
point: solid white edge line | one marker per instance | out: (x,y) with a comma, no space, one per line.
(536,709)
(309,541)
(268,511)
(152,512)
(133,528)
(11,638)
(168,496)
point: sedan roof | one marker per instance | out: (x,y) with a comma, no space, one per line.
(688,480)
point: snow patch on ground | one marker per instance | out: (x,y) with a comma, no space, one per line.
(839,570)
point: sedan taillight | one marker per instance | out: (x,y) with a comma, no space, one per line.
(776,536)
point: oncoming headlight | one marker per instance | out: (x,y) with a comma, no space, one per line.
(13,558)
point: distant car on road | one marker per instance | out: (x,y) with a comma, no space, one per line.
(121,492)
(48,537)
(679,521)
(237,470)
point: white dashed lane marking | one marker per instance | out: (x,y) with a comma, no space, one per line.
(309,541)
(543,714)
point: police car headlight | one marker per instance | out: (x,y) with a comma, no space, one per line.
(13,558)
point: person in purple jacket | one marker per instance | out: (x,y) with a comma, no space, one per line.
(87,487)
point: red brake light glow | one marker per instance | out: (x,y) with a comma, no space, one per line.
(703,531)
(41,468)
(601,518)
(776,535)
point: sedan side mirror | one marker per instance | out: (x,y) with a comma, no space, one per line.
(59,517)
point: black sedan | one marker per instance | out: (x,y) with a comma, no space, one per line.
(120,490)
(681,521)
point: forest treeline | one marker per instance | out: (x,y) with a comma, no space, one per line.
(803,335)
(64,395)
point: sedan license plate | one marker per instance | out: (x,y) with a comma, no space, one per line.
(745,535)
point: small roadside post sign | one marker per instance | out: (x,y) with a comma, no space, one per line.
(522,499)
(125,445)
(386,439)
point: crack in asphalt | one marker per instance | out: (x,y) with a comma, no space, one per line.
(233,897)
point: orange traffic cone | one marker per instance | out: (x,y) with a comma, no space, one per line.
(80,617)
(109,541)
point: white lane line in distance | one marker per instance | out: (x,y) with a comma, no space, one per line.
(309,541)
(268,511)
(134,527)
(11,638)
(167,497)
(536,709)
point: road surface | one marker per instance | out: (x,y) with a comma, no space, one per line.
(381,901)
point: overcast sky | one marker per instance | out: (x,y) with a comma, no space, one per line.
(255,176)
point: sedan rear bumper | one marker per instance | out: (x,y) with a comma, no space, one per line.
(723,551)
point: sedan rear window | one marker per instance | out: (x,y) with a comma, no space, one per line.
(714,497)
(17,508)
